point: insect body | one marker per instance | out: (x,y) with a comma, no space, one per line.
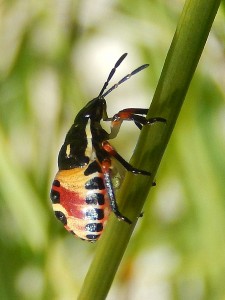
(82,192)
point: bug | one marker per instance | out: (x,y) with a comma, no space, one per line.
(82,192)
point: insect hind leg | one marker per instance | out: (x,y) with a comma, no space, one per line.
(109,187)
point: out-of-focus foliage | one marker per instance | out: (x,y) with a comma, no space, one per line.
(55,56)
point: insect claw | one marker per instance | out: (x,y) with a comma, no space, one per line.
(125,219)
(156,119)
(140,172)
(141,215)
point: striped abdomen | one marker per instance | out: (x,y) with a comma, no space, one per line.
(80,200)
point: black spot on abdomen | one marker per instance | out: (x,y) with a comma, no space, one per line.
(93,168)
(95,183)
(55,196)
(61,217)
(95,198)
(94,227)
(95,214)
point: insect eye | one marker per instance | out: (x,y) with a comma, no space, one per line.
(61,217)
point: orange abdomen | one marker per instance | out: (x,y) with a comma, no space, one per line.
(81,202)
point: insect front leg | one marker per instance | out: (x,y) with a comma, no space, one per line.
(106,164)
(137,115)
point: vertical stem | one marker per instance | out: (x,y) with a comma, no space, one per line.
(182,59)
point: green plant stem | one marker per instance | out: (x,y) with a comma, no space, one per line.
(182,59)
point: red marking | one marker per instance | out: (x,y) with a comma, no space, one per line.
(107,147)
(72,202)
(125,114)
(106,164)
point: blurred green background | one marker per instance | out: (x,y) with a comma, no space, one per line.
(54,57)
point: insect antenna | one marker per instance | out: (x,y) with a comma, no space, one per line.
(128,76)
(112,73)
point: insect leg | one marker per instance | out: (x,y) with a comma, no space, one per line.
(109,187)
(107,147)
(137,115)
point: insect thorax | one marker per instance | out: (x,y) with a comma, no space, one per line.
(83,144)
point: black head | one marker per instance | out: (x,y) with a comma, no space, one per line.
(92,110)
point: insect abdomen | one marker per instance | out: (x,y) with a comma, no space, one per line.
(80,201)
